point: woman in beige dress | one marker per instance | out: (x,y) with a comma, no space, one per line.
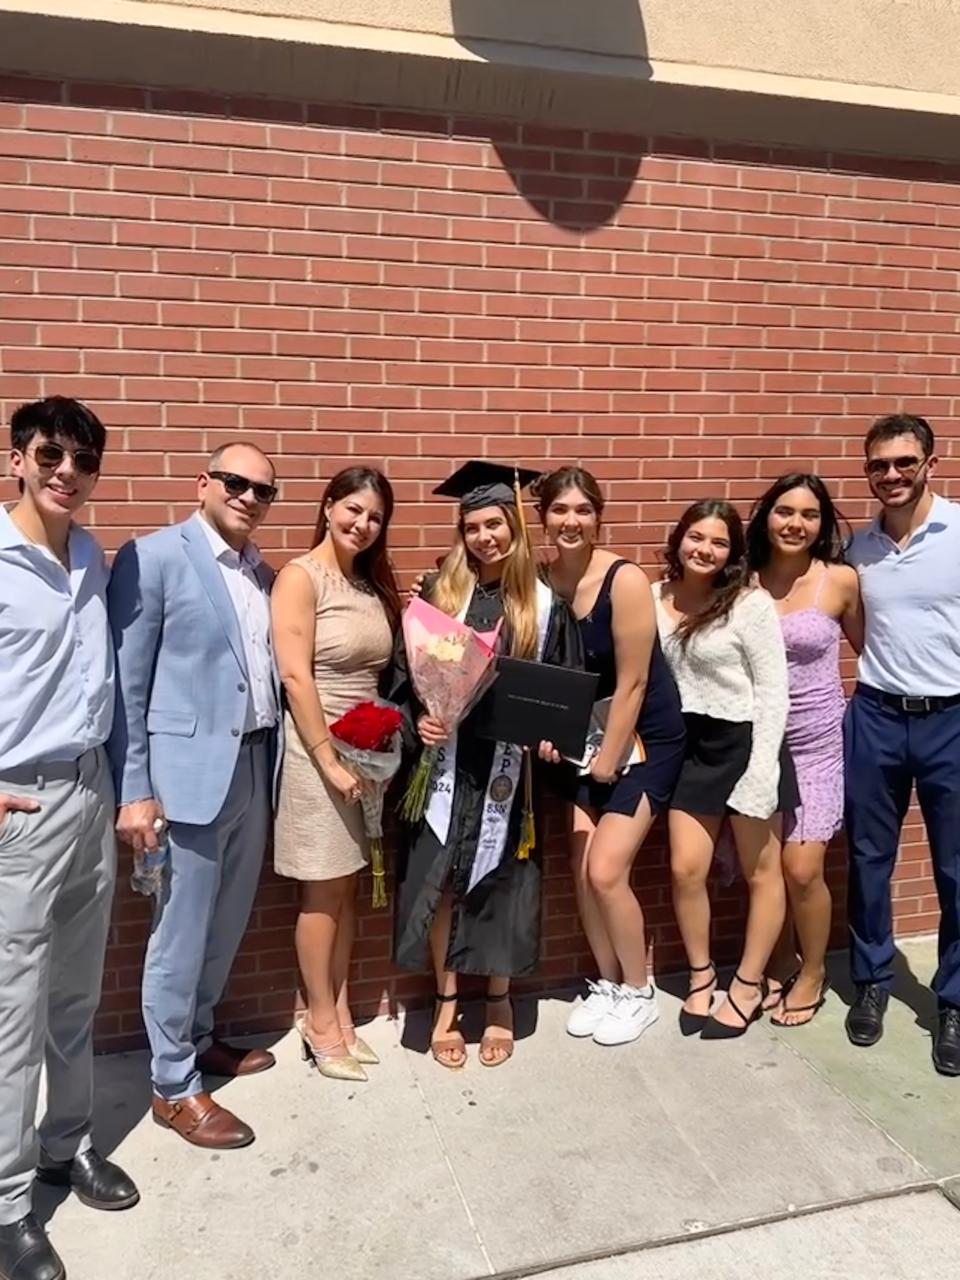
(335,611)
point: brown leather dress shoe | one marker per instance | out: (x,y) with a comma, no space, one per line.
(229,1060)
(202,1122)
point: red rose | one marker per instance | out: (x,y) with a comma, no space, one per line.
(368,726)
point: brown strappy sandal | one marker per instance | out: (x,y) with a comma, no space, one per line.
(451,1043)
(501,1046)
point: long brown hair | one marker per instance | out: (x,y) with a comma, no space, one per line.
(372,564)
(728,582)
(518,586)
(548,488)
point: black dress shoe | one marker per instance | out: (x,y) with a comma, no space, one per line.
(27,1254)
(946,1043)
(98,1183)
(865,1018)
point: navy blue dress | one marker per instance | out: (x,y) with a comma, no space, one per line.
(660,723)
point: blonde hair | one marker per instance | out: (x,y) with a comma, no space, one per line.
(518,586)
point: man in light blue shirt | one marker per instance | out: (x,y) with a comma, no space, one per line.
(903,722)
(57,847)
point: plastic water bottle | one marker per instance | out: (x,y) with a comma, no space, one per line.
(149,865)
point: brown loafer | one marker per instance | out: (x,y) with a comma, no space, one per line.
(223,1059)
(202,1122)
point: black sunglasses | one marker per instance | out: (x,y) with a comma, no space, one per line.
(236,485)
(50,454)
(906,466)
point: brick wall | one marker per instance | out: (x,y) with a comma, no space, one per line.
(342,283)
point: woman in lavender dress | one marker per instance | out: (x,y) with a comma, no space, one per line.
(795,547)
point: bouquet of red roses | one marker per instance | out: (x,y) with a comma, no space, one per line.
(367,739)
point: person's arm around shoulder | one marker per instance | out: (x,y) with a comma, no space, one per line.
(293,607)
(851,620)
(135,606)
(634,628)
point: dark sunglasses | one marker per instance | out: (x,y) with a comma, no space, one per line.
(907,466)
(236,485)
(50,454)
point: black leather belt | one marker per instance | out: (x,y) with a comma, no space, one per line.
(912,704)
(256,735)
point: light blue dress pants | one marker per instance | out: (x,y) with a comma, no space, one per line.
(200,922)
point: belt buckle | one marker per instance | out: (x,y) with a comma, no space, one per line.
(915,706)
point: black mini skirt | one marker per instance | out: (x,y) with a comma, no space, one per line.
(716,758)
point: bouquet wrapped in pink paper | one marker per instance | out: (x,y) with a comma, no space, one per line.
(451,667)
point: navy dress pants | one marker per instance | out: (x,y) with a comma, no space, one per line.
(886,751)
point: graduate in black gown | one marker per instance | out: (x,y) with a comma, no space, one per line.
(488,925)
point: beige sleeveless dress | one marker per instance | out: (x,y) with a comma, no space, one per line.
(317,836)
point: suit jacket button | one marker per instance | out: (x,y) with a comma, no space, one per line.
(241,687)
(235,732)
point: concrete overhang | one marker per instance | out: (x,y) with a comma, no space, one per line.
(614,64)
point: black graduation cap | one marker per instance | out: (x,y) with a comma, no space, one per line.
(485,484)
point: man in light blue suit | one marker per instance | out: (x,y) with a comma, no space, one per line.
(193,749)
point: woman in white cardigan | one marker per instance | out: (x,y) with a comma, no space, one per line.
(723,642)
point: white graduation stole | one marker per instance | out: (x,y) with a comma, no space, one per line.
(503,779)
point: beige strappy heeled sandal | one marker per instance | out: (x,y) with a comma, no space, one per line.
(496,1050)
(450,1043)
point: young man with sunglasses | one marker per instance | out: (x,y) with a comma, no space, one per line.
(903,722)
(57,845)
(194,749)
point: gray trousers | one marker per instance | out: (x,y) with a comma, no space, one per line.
(57,872)
(200,921)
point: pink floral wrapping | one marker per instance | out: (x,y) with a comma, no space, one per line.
(451,665)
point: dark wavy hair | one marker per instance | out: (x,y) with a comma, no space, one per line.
(834,532)
(901,424)
(373,564)
(58,416)
(728,582)
(547,488)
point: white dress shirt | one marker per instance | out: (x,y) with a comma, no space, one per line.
(56,655)
(911,605)
(252,606)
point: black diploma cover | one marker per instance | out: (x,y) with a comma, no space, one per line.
(532,702)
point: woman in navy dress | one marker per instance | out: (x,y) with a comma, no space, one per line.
(615,802)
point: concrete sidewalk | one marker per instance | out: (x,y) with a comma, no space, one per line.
(783,1154)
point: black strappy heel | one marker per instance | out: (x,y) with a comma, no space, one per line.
(714,1030)
(812,1009)
(693,1023)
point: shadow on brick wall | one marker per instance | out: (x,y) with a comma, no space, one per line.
(580,184)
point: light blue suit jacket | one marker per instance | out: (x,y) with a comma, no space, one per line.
(182,680)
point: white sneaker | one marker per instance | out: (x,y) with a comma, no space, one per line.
(635,1010)
(587,1016)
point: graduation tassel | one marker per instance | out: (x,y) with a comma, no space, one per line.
(528,831)
(521,514)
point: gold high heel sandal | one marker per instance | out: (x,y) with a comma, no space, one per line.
(346,1068)
(360,1051)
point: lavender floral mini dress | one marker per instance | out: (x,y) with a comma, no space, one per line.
(815,720)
